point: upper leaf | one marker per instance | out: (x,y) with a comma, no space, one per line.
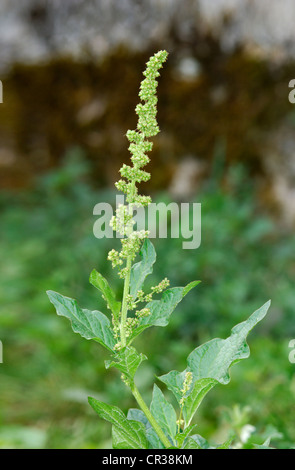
(213,359)
(98,281)
(164,412)
(162,309)
(210,363)
(143,268)
(127,434)
(89,324)
(127,361)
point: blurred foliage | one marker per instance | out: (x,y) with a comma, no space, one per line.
(47,243)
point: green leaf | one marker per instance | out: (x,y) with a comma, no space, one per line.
(162,309)
(189,287)
(191,443)
(153,438)
(226,444)
(122,439)
(134,414)
(196,442)
(213,359)
(127,434)
(264,446)
(127,361)
(143,268)
(181,436)
(89,324)
(210,363)
(163,412)
(199,391)
(98,281)
(174,382)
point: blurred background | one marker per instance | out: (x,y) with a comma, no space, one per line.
(71,72)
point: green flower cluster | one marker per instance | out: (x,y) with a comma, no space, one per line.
(147,126)
(132,304)
(142,297)
(186,386)
(188,378)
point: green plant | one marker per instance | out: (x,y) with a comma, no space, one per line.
(156,426)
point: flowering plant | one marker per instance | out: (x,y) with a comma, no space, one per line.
(156,426)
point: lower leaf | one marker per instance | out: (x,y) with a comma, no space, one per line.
(152,437)
(197,442)
(210,364)
(127,434)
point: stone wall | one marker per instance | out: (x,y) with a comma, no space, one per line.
(33,30)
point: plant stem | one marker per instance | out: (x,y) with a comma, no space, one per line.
(124,303)
(179,419)
(126,282)
(149,415)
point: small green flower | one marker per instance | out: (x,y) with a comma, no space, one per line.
(114,257)
(161,286)
(144,312)
(186,386)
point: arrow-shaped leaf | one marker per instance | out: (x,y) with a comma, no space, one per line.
(164,412)
(89,324)
(213,359)
(127,434)
(210,363)
(162,309)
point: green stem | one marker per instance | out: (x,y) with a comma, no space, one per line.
(124,303)
(149,415)
(180,418)
(126,283)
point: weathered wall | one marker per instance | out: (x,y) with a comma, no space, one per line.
(79,68)
(31,30)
